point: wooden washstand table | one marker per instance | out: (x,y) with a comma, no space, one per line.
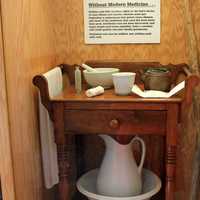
(116,115)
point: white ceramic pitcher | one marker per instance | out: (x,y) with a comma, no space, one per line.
(119,175)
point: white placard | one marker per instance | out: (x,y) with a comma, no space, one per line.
(121,21)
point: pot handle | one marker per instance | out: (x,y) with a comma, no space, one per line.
(142,75)
(136,138)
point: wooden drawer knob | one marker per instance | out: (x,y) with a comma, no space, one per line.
(114,123)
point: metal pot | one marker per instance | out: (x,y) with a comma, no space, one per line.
(157,79)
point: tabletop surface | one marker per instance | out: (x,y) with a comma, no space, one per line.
(69,95)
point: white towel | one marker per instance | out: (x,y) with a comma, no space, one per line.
(48,145)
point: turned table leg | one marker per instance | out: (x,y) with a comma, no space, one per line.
(170,172)
(64,168)
(64,143)
(171,142)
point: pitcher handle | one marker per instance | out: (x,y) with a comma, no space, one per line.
(136,138)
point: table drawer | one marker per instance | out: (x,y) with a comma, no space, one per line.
(115,122)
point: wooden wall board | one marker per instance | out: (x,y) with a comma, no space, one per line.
(187,140)
(6,167)
(69,14)
(195,6)
(29,46)
(196,18)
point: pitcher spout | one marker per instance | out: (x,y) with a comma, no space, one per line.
(108,140)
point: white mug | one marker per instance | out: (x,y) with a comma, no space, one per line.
(123,82)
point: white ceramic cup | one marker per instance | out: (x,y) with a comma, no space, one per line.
(123,82)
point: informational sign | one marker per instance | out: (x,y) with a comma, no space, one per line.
(122,21)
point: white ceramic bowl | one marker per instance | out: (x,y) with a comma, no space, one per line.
(87,186)
(102,77)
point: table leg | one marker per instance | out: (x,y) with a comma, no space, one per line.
(171,142)
(64,169)
(63,151)
(170,172)
(63,186)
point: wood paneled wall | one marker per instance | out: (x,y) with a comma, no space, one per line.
(195,6)
(6,167)
(187,142)
(29,49)
(42,33)
(171,49)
